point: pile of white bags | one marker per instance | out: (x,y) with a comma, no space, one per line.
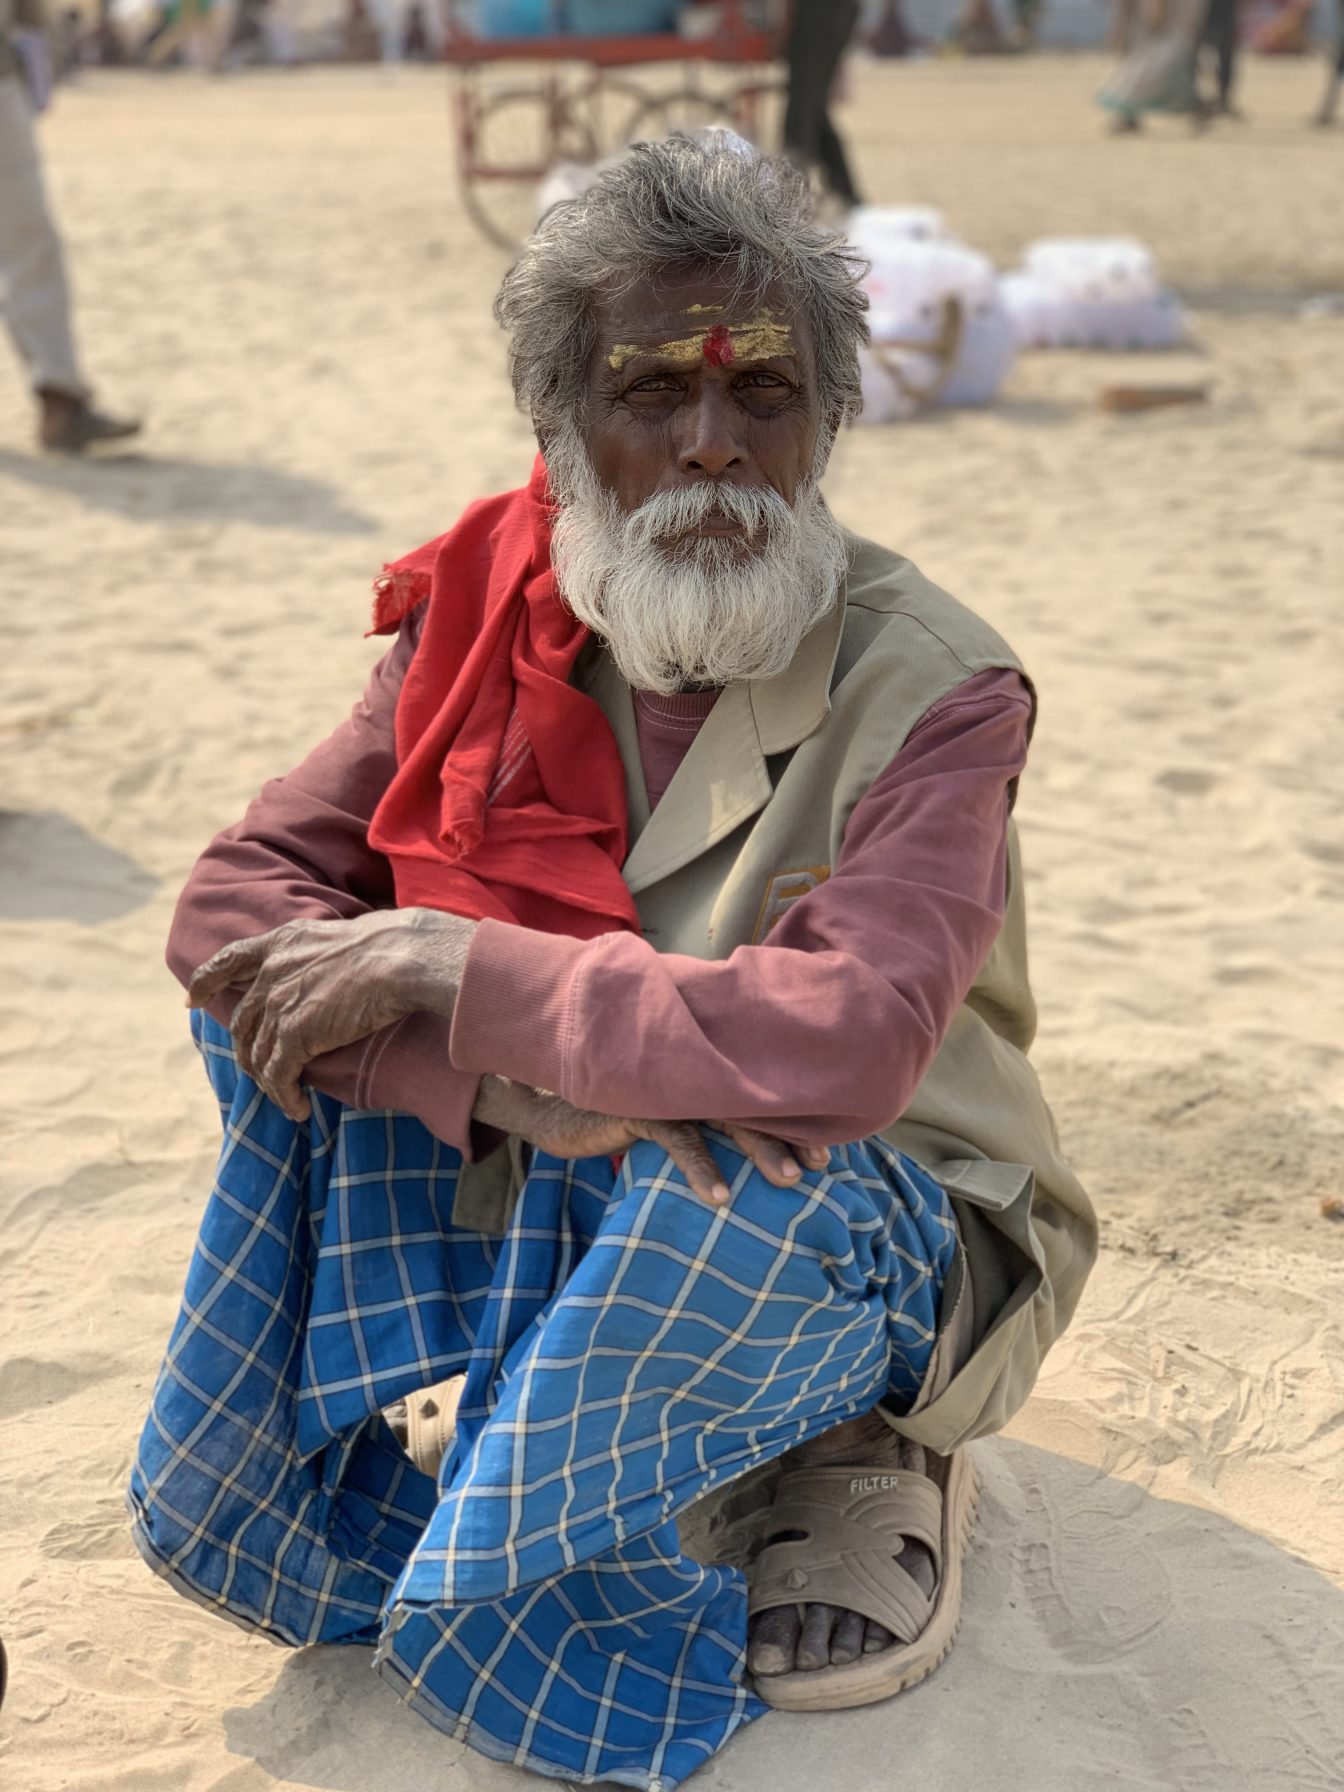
(873,228)
(940,332)
(1090,292)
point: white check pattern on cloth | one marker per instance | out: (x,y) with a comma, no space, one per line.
(626,1348)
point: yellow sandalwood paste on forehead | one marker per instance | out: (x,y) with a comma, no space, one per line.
(756,340)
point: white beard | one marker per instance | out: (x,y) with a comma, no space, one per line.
(698,611)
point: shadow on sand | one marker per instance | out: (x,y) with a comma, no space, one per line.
(52,870)
(145,488)
(1109,1639)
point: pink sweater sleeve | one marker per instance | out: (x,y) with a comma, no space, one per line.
(821,1033)
(302,849)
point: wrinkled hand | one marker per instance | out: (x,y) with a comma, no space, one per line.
(554,1125)
(317,985)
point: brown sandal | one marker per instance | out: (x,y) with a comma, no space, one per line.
(846,1527)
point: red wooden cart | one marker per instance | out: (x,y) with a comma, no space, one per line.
(571,98)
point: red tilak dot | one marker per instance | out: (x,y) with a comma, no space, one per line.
(718,346)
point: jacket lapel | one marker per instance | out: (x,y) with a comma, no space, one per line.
(724,778)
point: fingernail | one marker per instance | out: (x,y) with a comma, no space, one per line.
(719,1193)
(790,1168)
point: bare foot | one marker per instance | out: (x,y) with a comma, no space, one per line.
(784,1640)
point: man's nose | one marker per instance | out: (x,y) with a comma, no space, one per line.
(708,439)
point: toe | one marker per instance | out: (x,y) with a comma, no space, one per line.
(875,1637)
(847,1639)
(772,1647)
(814,1646)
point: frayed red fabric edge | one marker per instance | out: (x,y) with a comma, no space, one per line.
(397,590)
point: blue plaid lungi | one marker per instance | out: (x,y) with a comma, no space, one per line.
(626,1348)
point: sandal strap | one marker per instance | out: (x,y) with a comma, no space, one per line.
(853,1523)
(431,1421)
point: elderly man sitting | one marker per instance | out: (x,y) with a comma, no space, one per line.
(625,1011)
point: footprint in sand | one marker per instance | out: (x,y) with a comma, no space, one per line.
(103,1536)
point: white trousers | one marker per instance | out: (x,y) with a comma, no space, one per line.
(34,292)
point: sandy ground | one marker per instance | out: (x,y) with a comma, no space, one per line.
(278,270)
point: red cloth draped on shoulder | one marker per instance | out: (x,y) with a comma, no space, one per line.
(509,796)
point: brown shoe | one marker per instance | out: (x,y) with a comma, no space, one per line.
(70,425)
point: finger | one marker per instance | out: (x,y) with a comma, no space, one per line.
(253,1029)
(778,1161)
(771,1156)
(238,963)
(289,1096)
(773,1645)
(686,1146)
(814,1645)
(283,1068)
(248,1018)
(847,1639)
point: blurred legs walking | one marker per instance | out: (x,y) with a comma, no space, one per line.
(821,29)
(34,291)
(1330,98)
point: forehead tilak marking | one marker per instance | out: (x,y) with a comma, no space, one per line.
(758,339)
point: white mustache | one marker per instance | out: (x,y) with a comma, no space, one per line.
(666,516)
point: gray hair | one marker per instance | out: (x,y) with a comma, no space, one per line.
(708,203)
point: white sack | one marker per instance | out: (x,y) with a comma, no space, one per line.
(873,228)
(1090,292)
(1043,317)
(908,287)
(1092,267)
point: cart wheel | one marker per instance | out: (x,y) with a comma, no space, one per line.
(687,110)
(609,110)
(520,134)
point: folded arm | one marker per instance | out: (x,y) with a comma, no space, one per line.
(822,1032)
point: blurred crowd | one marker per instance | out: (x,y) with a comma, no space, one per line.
(218,34)
(231,33)
(1170,50)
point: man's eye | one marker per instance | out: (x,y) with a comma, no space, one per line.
(766,381)
(654,382)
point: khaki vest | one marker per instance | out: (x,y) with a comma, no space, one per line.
(754,818)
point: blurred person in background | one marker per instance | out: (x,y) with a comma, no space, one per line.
(977,31)
(891,36)
(1124,24)
(415,44)
(1158,74)
(66,44)
(360,37)
(34,293)
(1330,99)
(247,34)
(188,34)
(1026,23)
(1281,27)
(1220,36)
(817,36)
(106,48)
